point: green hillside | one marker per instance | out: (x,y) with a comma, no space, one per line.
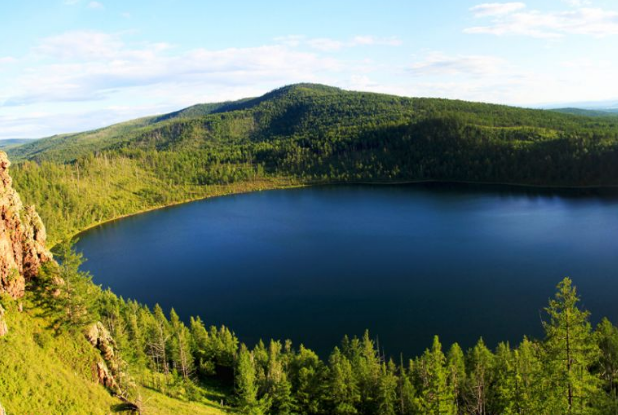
(297,135)
(306,134)
(49,372)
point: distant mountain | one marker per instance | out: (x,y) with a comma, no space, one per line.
(12,142)
(607,112)
(302,110)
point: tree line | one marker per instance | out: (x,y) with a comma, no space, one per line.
(572,370)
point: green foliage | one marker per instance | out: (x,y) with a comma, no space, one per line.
(301,134)
(304,134)
(570,353)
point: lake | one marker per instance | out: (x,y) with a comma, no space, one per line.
(405,262)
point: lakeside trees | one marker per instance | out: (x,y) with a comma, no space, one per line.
(306,134)
(573,370)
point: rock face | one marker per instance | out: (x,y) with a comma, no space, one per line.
(105,371)
(22,237)
(3,328)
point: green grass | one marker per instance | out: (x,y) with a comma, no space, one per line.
(47,373)
(156,403)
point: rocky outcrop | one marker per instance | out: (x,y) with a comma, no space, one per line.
(3,328)
(22,237)
(106,371)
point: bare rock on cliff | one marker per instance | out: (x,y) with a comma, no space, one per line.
(3,328)
(22,237)
(106,371)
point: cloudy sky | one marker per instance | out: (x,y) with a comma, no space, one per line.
(71,65)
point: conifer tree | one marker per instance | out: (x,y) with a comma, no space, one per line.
(308,381)
(387,390)
(343,390)
(481,364)
(570,352)
(408,404)
(606,368)
(457,375)
(199,347)
(437,397)
(76,299)
(245,384)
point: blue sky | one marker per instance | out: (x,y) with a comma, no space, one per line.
(71,65)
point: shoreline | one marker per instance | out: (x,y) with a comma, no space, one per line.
(300,184)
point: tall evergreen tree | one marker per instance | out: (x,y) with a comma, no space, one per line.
(481,363)
(457,375)
(437,397)
(387,390)
(245,384)
(606,368)
(570,352)
(343,390)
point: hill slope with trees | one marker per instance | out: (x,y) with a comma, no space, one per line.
(306,134)
(299,135)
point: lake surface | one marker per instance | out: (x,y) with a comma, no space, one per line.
(406,262)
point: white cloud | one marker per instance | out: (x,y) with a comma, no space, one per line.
(7,60)
(437,63)
(82,45)
(325,44)
(96,5)
(89,66)
(372,40)
(581,21)
(496,9)
(577,3)
(331,45)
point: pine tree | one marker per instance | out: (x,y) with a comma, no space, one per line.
(245,384)
(437,397)
(76,298)
(387,390)
(343,389)
(502,398)
(199,347)
(308,380)
(408,404)
(606,336)
(180,349)
(480,363)
(570,352)
(457,375)
(529,398)
(158,334)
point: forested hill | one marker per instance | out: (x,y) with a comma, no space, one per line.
(306,134)
(323,120)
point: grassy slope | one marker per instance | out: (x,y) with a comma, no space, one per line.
(42,373)
(158,404)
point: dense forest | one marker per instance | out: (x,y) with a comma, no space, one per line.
(306,134)
(572,370)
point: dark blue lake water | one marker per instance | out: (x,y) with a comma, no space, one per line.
(406,262)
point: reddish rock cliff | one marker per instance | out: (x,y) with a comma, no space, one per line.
(22,237)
